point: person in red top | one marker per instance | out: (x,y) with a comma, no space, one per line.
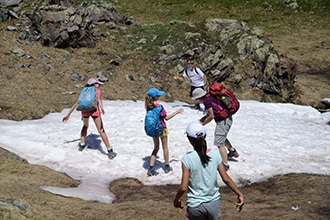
(96,116)
(212,106)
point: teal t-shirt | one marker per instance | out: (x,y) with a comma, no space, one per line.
(203,181)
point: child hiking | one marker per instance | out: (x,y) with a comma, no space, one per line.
(96,116)
(160,131)
(196,77)
(200,169)
(223,125)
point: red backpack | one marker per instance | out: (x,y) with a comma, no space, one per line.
(227,99)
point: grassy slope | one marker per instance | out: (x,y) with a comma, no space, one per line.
(294,33)
(273,15)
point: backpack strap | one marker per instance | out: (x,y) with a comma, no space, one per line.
(197,71)
(186,71)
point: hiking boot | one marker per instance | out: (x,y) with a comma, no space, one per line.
(233,153)
(152,172)
(168,168)
(81,147)
(111,154)
(226,166)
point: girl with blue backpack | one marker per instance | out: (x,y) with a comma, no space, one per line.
(155,127)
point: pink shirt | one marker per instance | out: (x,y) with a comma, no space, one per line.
(163,114)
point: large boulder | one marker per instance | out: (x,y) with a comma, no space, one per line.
(64,25)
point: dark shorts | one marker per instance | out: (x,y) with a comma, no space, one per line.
(192,88)
(91,116)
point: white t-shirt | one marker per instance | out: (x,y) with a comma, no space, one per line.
(196,79)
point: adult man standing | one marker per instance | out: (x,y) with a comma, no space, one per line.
(223,126)
(195,75)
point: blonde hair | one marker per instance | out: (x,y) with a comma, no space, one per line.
(149,103)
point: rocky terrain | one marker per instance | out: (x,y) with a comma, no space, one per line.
(44,65)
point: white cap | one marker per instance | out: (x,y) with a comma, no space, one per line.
(194,129)
(198,93)
(92,81)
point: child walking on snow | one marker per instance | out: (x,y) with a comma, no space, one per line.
(151,101)
(96,115)
(200,169)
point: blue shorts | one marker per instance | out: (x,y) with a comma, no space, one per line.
(221,130)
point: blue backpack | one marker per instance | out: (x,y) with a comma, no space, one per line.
(87,99)
(152,122)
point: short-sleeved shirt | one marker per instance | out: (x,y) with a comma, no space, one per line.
(212,102)
(203,181)
(163,114)
(196,79)
(96,112)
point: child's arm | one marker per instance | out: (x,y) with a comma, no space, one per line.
(180,78)
(168,117)
(100,103)
(66,118)
(182,188)
(230,183)
(208,118)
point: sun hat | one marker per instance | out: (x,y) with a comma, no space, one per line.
(154,92)
(92,81)
(198,93)
(194,129)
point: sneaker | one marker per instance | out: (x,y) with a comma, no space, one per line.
(233,153)
(168,168)
(111,154)
(81,146)
(226,166)
(152,172)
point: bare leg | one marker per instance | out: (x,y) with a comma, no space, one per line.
(154,152)
(223,153)
(231,149)
(228,145)
(84,129)
(165,149)
(99,125)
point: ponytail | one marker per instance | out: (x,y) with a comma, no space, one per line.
(148,103)
(200,147)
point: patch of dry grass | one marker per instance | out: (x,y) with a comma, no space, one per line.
(273,199)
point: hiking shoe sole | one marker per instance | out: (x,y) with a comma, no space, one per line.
(112,155)
(168,169)
(81,147)
(152,173)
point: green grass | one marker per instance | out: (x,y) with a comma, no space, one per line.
(156,19)
(314,14)
(162,31)
(272,15)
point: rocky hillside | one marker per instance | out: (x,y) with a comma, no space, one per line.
(50,49)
